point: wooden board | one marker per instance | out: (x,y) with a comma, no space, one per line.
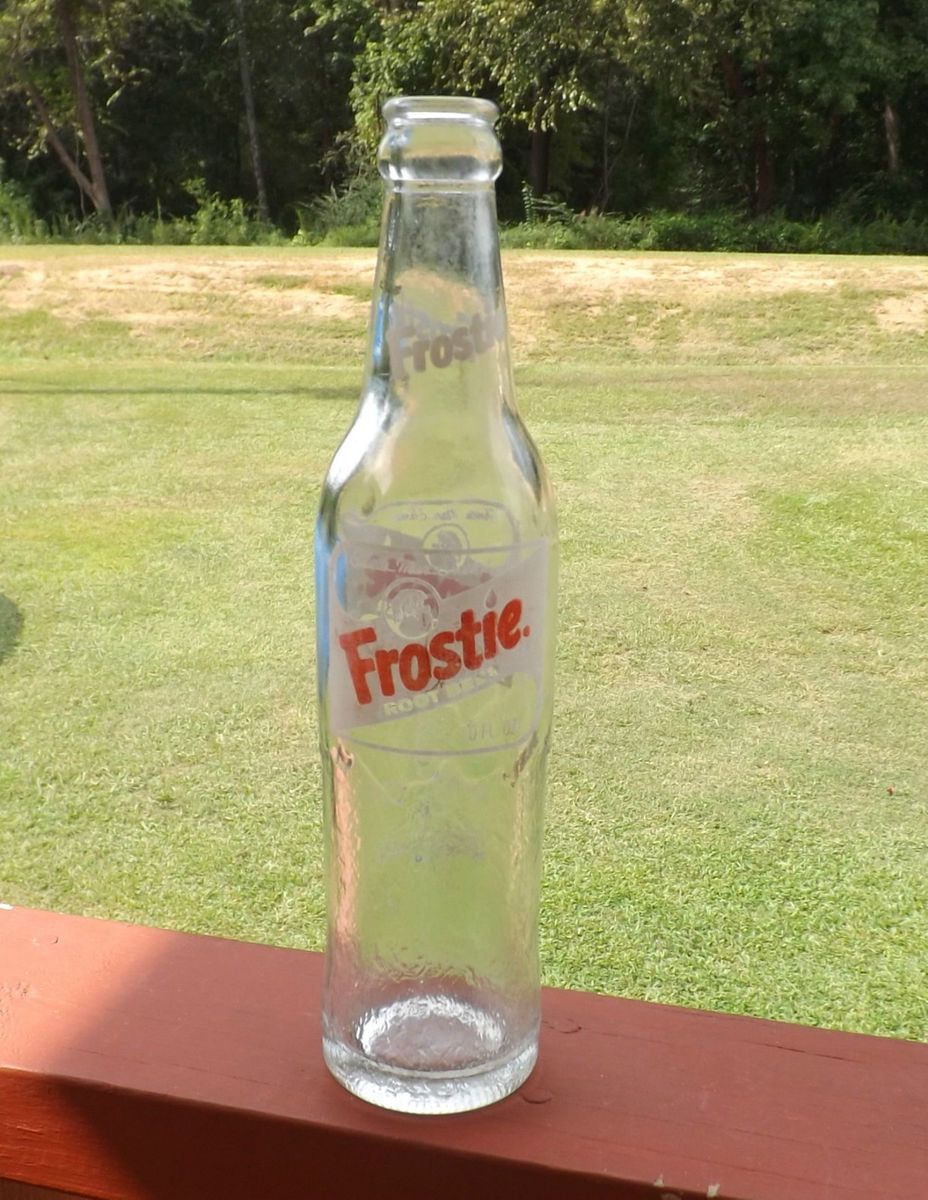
(25,1191)
(138,1064)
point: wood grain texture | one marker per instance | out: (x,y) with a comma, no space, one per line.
(137,1064)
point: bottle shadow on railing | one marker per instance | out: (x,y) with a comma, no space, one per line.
(11,625)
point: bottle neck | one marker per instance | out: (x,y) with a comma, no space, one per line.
(439,331)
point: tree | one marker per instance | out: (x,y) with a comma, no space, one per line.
(541,60)
(254,138)
(537,61)
(901,52)
(62,57)
(758,75)
(300,81)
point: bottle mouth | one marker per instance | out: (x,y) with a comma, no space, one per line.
(445,141)
(439,108)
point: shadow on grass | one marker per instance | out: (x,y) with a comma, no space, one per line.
(52,389)
(11,624)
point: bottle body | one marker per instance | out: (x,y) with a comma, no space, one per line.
(436,575)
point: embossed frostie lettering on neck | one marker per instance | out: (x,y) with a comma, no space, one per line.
(417,348)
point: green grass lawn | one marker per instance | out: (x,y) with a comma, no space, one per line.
(737,807)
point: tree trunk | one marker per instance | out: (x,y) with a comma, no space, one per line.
(763,174)
(891,130)
(744,157)
(541,158)
(99,193)
(764,191)
(254,141)
(828,171)
(73,169)
(602,198)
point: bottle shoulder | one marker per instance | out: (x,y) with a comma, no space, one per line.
(388,459)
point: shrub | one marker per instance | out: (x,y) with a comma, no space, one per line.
(18,223)
(365,234)
(337,216)
(218,222)
(723,230)
(351,217)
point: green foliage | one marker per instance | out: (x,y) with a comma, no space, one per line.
(722,231)
(214,222)
(18,223)
(545,208)
(366,234)
(218,222)
(537,61)
(347,216)
(67,63)
(810,108)
(351,218)
(762,80)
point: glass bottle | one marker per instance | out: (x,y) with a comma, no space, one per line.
(436,566)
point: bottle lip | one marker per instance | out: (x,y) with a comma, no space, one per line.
(439,108)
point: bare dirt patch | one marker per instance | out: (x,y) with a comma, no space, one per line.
(176,289)
(723,502)
(536,278)
(157,289)
(904,314)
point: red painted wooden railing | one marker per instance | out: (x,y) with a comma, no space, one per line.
(137,1064)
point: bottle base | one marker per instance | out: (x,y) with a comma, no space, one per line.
(430,1055)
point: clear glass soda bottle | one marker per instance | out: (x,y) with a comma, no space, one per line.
(435,578)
